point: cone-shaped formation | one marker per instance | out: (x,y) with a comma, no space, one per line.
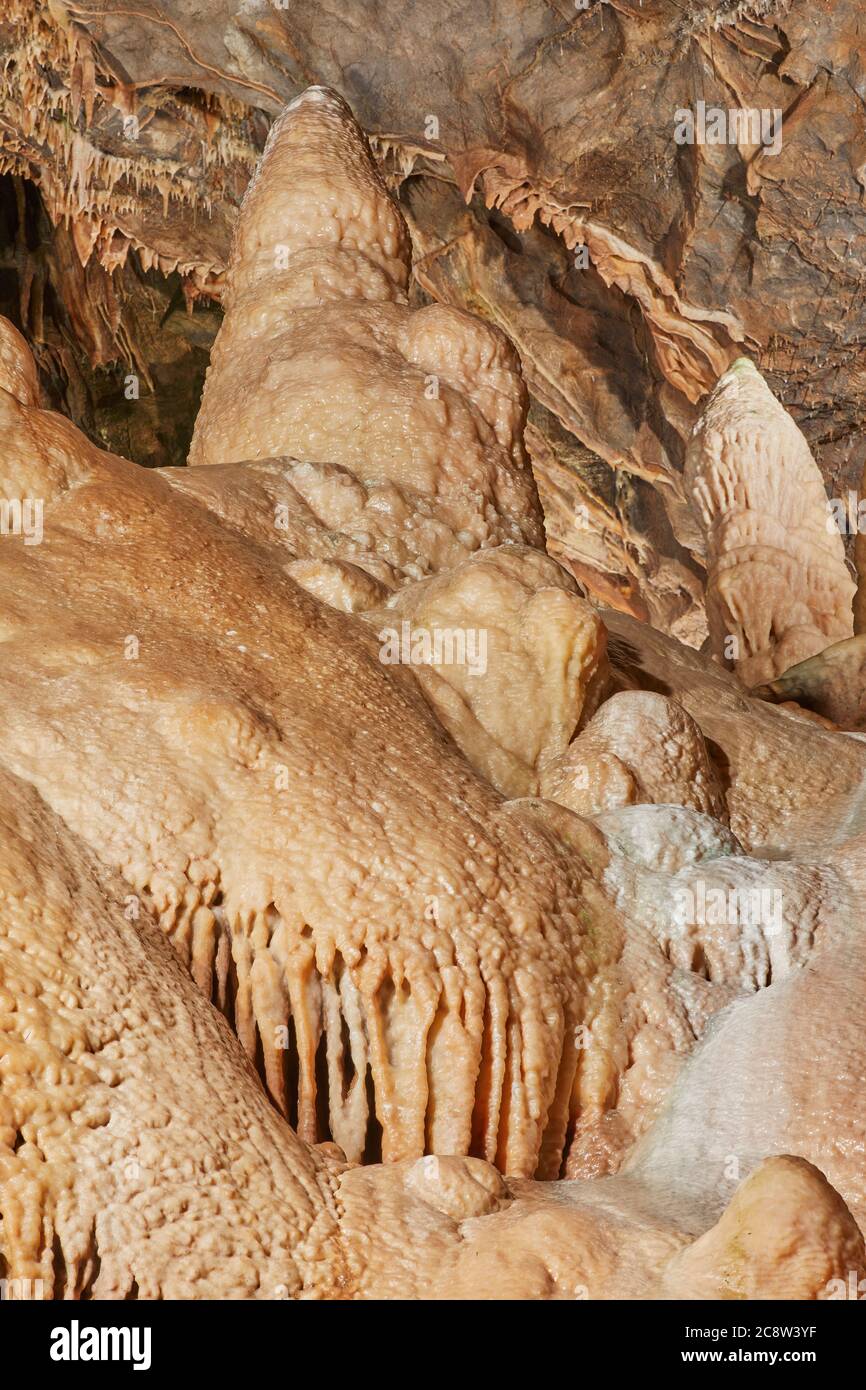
(832,684)
(317,223)
(319,357)
(785,1234)
(507,656)
(778,589)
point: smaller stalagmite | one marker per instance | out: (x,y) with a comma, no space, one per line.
(785,1234)
(639,749)
(778,588)
(516,659)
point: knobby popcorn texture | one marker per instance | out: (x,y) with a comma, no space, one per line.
(433,905)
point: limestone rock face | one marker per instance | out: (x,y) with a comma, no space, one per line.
(592,915)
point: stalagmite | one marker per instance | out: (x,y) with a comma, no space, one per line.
(785,1234)
(509,657)
(316,310)
(778,588)
(831,684)
(639,748)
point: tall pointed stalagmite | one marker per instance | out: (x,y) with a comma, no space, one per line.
(319,357)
